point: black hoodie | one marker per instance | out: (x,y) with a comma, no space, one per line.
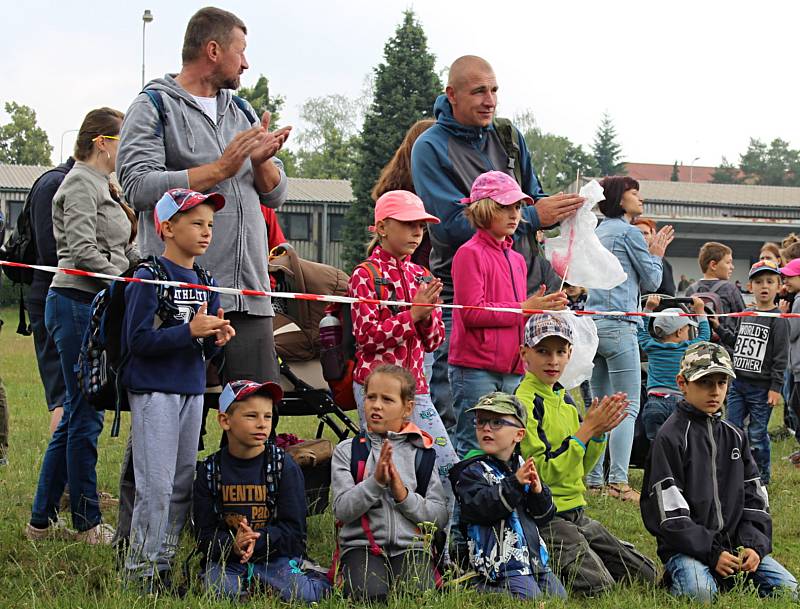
(702,493)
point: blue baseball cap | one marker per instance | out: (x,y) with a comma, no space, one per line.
(236,391)
(183,199)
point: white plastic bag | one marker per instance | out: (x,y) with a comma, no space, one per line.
(577,254)
(584,347)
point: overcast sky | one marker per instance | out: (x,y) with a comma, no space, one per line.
(680,79)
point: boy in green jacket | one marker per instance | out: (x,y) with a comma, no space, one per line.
(586,556)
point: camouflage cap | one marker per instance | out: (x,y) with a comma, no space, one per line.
(704,358)
(542,325)
(502,403)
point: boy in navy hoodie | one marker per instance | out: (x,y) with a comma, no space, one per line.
(167,340)
(249,504)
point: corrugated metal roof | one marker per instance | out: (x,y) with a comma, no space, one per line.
(326,191)
(19,177)
(722,194)
(22,177)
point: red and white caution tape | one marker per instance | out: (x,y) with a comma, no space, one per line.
(351,300)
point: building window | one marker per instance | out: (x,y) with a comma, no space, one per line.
(335,227)
(298,226)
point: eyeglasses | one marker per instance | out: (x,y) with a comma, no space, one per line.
(106,137)
(495,423)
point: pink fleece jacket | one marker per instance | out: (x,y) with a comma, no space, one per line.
(488,272)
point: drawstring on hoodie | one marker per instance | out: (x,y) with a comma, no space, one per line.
(190,139)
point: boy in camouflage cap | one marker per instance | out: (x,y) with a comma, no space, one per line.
(702,496)
(503,503)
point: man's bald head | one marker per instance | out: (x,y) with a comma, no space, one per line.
(464,66)
(472,91)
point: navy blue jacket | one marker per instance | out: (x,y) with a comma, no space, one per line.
(42,226)
(166,359)
(494,500)
(283,531)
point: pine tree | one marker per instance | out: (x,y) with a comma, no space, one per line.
(675,177)
(606,151)
(406,85)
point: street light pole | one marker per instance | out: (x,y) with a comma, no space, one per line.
(61,150)
(147,17)
(691,169)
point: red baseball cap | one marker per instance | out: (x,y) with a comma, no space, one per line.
(235,391)
(403,206)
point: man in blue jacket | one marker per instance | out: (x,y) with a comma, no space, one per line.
(445,161)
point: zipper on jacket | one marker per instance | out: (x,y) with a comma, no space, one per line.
(717,504)
(516,296)
(407,295)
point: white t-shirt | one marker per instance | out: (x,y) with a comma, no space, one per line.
(209,106)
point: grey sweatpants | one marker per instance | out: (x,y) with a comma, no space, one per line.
(165,429)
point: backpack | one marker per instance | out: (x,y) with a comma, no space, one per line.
(424,464)
(338,361)
(158,102)
(100,359)
(709,296)
(21,248)
(508,139)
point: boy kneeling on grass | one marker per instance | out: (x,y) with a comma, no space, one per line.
(249,504)
(702,496)
(503,502)
(586,556)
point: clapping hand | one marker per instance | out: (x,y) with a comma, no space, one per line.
(527,474)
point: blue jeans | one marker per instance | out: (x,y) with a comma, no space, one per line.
(468,386)
(527,587)
(746,400)
(72,452)
(617,368)
(656,411)
(439,379)
(280,575)
(689,577)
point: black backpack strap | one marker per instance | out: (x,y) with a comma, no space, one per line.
(424,463)
(508,138)
(716,287)
(155,99)
(273,470)
(359,451)
(242,105)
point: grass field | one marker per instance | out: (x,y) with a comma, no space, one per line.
(68,575)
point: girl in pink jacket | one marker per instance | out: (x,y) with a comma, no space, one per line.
(484,345)
(399,335)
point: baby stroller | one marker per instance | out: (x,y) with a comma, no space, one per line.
(641,445)
(306,393)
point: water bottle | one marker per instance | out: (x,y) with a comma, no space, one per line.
(331,353)
(330,331)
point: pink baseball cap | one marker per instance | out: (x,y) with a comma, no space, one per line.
(403,206)
(183,199)
(792,269)
(497,186)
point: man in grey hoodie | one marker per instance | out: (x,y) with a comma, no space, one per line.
(187,130)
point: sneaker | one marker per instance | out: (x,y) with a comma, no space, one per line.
(102,534)
(58,531)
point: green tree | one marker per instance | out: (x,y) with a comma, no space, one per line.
(676,176)
(726,173)
(605,149)
(22,141)
(259,97)
(329,143)
(405,87)
(556,159)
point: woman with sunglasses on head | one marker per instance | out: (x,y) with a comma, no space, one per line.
(94,231)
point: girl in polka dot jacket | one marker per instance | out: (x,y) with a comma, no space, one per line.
(399,335)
